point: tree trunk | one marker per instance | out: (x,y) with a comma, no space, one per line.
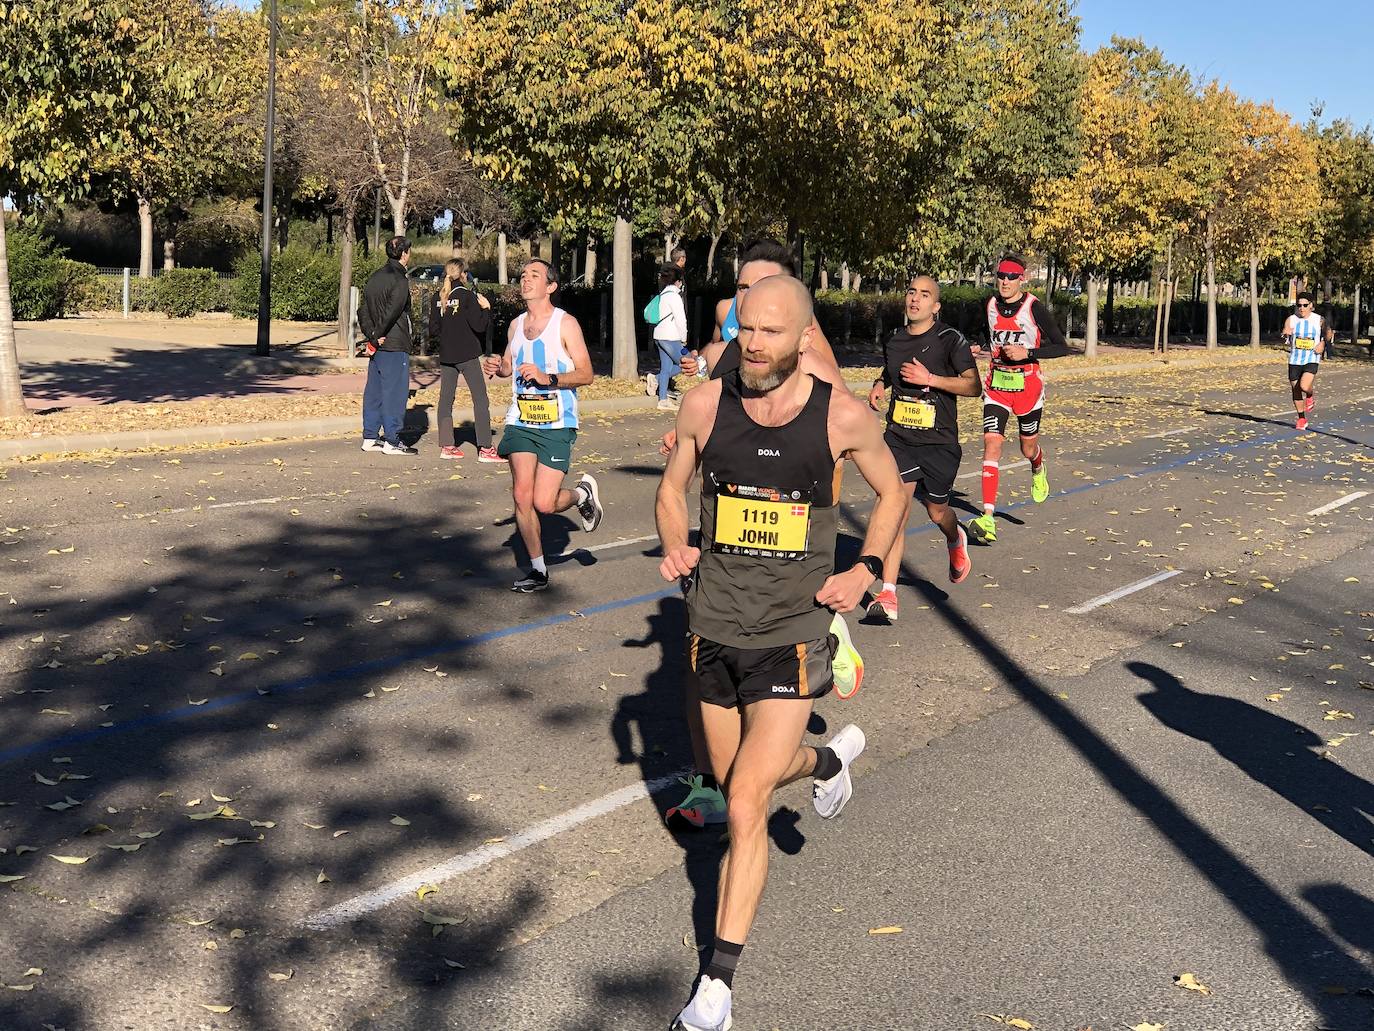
(556,250)
(11,389)
(398,212)
(816,272)
(145,238)
(589,260)
(1355,319)
(858,281)
(169,254)
(1090,333)
(825,278)
(1211,289)
(625,350)
(350,235)
(536,246)
(283,206)
(711,256)
(1254,302)
(501,258)
(1111,306)
(670,242)
(574,254)
(844,276)
(329,230)
(455,231)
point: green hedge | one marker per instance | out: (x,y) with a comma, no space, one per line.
(305,284)
(182,292)
(37,278)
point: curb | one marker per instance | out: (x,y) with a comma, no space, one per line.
(253,432)
(246,433)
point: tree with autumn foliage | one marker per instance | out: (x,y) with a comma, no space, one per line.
(1268,201)
(66,99)
(1131,186)
(594,105)
(1345,157)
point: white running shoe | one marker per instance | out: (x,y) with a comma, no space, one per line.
(830,796)
(650,384)
(589,508)
(709,1009)
(371,444)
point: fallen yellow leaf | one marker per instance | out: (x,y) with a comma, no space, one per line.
(216,1009)
(70,860)
(1191,983)
(885,930)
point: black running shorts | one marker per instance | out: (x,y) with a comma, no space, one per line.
(735,677)
(1297,372)
(932,467)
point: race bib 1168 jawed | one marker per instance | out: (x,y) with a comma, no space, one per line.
(913,414)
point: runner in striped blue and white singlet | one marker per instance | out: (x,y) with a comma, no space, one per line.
(1305,333)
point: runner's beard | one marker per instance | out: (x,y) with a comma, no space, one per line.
(777,372)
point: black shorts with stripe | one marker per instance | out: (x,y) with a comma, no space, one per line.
(734,677)
(932,467)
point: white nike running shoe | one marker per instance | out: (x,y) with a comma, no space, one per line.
(830,796)
(709,1009)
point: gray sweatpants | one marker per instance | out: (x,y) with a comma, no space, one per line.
(481,407)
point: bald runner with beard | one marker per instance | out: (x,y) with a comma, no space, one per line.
(761,588)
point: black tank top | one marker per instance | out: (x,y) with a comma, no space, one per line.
(768,522)
(729,360)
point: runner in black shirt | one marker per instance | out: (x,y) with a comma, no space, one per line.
(929,366)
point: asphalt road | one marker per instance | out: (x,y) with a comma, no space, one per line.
(1063,810)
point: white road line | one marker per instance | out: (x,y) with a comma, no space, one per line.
(1174,433)
(1339,502)
(1121,592)
(371,901)
(612,544)
(236,504)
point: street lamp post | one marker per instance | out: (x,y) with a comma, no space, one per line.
(264,346)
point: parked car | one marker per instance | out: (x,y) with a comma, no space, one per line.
(427,273)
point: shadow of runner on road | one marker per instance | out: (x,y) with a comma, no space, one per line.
(1270,750)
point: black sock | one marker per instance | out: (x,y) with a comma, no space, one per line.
(827,764)
(708,780)
(724,959)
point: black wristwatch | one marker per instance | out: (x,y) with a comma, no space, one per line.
(553,379)
(873,564)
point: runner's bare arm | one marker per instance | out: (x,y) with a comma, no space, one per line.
(857,435)
(576,346)
(694,420)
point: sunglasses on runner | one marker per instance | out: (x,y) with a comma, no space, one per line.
(1304,304)
(1010,275)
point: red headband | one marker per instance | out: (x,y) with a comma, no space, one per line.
(1011,266)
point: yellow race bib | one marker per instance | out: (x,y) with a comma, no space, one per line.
(1008,379)
(760,521)
(913,414)
(538,409)
(1304,343)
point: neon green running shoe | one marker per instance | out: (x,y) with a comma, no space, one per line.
(702,805)
(983,529)
(1040,485)
(847,667)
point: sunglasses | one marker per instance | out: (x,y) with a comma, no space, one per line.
(1304,304)
(1010,275)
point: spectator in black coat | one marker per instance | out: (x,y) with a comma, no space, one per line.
(384,318)
(458,323)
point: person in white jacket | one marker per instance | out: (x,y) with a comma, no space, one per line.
(670,335)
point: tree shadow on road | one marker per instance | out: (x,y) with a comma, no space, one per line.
(1306,955)
(279,667)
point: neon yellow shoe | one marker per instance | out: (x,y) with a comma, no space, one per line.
(702,805)
(1040,485)
(983,529)
(847,667)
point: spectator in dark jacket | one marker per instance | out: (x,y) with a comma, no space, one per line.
(384,318)
(458,321)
